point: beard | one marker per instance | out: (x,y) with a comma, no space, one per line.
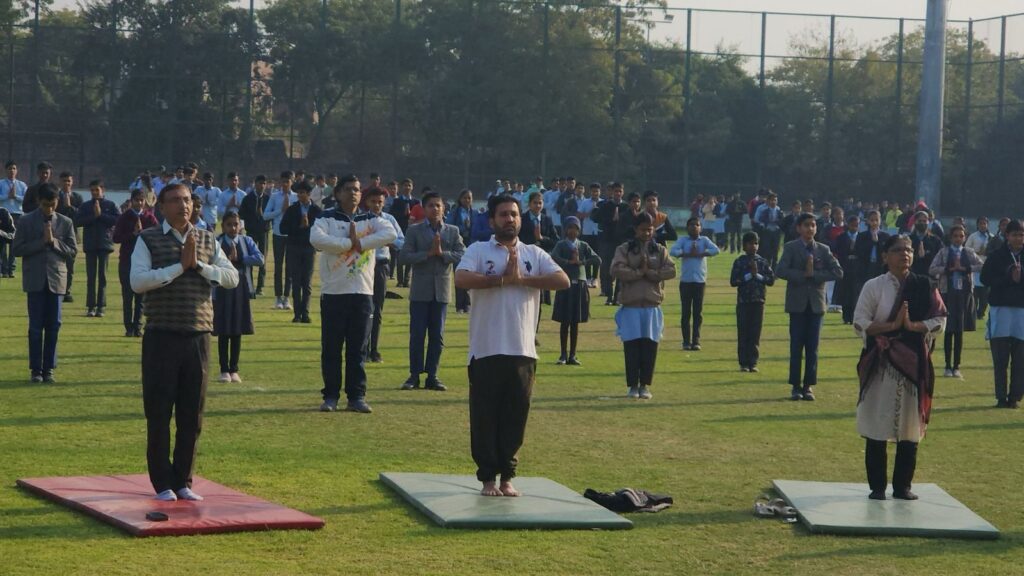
(506,234)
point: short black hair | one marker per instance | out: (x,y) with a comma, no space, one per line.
(10,164)
(650,193)
(751,238)
(260,178)
(175,186)
(374,175)
(498,199)
(375,191)
(1012,226)
(633,195)
(65,174)
(346,179)
(207,175)
(642,219)
(229,215)
(302,187)
(232,175)
(47,192)
(430,195)
(692,220)
(888,243)
(137,193)
(43,166)
(804,217)
(96,182)
(287,175)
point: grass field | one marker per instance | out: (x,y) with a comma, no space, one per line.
(712,437)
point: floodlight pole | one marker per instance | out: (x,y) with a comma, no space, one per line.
(933,79)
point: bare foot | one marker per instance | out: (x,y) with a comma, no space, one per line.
(508,489)
(490,489)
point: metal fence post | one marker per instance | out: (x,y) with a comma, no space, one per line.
(616,113)
(687,104)
(898,120)
(1002,71)
(965,157)
(394,88)
(10,87)
(545,75)
(829,96)
(933,77)
(762,103)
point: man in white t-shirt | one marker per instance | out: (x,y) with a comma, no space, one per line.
(505,278)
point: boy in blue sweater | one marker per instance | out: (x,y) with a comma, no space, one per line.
(694,250)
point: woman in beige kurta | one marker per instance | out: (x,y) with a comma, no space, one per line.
(897,316)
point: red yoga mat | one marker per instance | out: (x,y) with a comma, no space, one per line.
(124,501)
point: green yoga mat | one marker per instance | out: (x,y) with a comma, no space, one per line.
(844,508)
(455,502)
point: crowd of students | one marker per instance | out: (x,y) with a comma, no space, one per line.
(620,244)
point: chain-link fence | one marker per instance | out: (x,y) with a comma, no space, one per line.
(460,92)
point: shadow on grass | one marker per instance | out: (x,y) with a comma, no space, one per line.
(908,546)
(617,403)
(92,530)
(761,418)
(82,418)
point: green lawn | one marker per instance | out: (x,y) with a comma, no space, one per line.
(712,437)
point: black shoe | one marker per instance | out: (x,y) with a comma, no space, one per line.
(808,394)
(296,320)
(877,495)
(561,360)
(99,312)
(375,358)
(695,347)
(48,377)
(258,292)
(904,495)
(753,369)
(305,319)
(129,333)
(572,361)
(358,405)
(796,394)
(1013,404)
(411,384)
(37,377)
(1002,403)
(138,333)
(68,297)
(435,385)
(329,405)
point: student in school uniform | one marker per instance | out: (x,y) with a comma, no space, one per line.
(694,250)
(232,312)
(806,265)
(952,270)
(129,225)
(279,201)
(97,217)
(572,305)
(296,224)
(751,273)
(642,266)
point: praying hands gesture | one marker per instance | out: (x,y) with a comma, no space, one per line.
(435,246)
(304,223)
(809,270)
(753,267)
(574,258)
(512,275)
(1015,272)
(233,253)
(96,207)
(48,233)
(354,237)
(188,252)
(138,225)
(920,249)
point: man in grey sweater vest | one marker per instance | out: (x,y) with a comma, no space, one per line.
(174,266)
